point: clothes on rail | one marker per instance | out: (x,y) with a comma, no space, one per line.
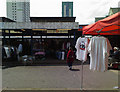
(81,46)
(9,52)
(20,48)
(99,48)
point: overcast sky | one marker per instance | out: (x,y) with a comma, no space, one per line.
(85,11)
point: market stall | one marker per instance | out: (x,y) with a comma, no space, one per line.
(99,46)
(106,26)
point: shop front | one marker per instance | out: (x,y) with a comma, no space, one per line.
(40,39)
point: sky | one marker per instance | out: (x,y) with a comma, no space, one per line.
(85,11)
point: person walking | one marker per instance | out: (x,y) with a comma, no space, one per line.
(70,58)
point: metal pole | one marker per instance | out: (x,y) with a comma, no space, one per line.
(31,43)
(3,33)
(81,76)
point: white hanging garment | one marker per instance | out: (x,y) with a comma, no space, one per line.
(99,48)
(68,45)
(20,48)
(63,54)
(7,50)
(81,46)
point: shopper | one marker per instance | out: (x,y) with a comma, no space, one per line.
(70,58)
(114,57)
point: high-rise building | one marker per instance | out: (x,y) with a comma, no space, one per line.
(18,10)
(67,9)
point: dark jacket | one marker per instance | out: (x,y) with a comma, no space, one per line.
(116,55)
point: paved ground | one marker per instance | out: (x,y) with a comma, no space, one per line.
(57,76)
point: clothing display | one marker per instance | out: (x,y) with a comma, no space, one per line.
(64,46)
(68,45)
(81,46)
(63,55)
(4,55)
(20,48)
(99,48)
(7,50)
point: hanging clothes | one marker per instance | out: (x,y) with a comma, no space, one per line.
(7,50)
(68,45)
(64,47)
(20,48)
(4,55)
(63,55)
(81,46)
(99,48)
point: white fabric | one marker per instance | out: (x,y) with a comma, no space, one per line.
(7,50)
(20,48)
(81,46)
(63,54)
(99,48)
(68,45)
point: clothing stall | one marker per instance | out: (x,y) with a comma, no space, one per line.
(108,27)
(98,46)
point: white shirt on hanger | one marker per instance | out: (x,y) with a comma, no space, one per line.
(63,54)
(68,45)
(81,46)
(99,48)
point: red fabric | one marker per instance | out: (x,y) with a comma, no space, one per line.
(108,26)
(116,65)
(69,56)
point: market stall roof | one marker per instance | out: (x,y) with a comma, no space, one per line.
(106,26)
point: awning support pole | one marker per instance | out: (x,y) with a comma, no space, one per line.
(81,87)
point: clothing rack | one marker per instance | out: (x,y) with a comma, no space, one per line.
(82,62)
(81,87)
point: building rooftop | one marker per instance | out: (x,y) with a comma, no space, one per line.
(4,19)
(114,10)
(52,19)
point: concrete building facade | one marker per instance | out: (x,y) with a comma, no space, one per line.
(67,9)
(18,10)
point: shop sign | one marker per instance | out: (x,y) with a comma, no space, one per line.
(26,36)
(57,31)
(15,36)
(36,37)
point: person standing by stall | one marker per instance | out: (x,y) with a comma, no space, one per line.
(70,58)
(114,57)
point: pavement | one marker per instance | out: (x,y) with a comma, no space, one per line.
(55,75)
